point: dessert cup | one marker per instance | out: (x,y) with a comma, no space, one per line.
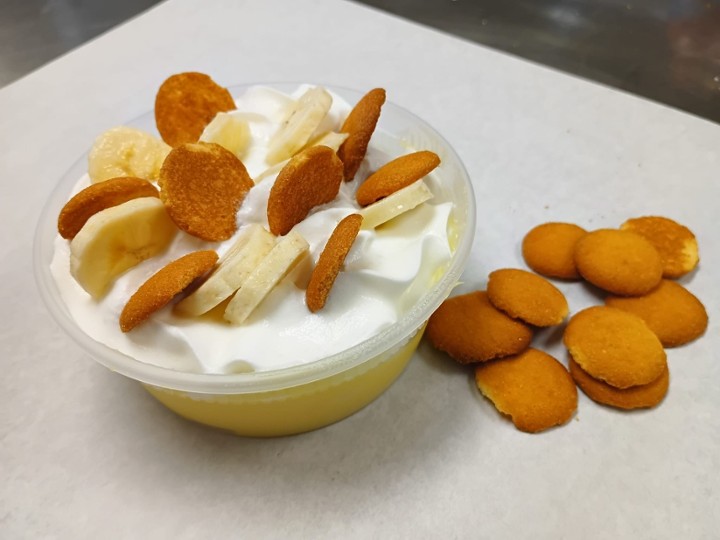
(305,396)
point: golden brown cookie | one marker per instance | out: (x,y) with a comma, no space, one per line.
(615,346)
(311,177)
(526,296)
(330,261)
(470,329)
(100,196)
(395,175)
(548,249)
(359,125)
(186,103)
(670,310)
(619,262)
(202,186)
(533,388)
(162,287)
(635,397)
(676,243)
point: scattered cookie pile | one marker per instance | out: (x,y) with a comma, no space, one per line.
(493,330)
(122,218)
(616,351)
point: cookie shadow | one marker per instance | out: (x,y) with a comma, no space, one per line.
(596,294)
(439,361)
(550,337)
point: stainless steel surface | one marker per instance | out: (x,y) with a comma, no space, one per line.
(666,51)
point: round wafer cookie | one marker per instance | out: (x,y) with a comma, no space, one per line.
(635,397)
(395,175)
(548,249)
(533,388)
(162,287)
(203,186)
(312,177)
(331,260)
(470,329)
(360,125)
(185,103)
(527,296)
(98,197)
(670,310)
(620,262)
(615,346)
(676,243)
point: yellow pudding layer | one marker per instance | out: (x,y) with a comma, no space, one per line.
(296,409)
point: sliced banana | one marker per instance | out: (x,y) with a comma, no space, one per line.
(229,131)
(393,205)
(331,139)
(253,243)
(125,151)
(273,268)
(116,239)
(270,171)
(309,111)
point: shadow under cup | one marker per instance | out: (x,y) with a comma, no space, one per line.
(302,397)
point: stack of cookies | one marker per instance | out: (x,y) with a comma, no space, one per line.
(616,351)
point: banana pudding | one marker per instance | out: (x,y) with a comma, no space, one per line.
(240,348)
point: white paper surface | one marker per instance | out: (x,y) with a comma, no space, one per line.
(85,453)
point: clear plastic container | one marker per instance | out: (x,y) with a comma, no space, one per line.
(302,397)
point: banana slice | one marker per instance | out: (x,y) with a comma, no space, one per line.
(309,111)
(270,171)
(275,266)
(116,239)
(125,151)
(228,131)
(253,243)
(331,139)
(397,203)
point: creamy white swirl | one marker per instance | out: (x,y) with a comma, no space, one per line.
(385,273)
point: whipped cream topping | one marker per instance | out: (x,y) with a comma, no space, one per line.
(387,270)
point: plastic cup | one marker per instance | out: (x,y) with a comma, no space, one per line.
(306,396)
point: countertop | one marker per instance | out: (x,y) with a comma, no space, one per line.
(668,52)
(86,453)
